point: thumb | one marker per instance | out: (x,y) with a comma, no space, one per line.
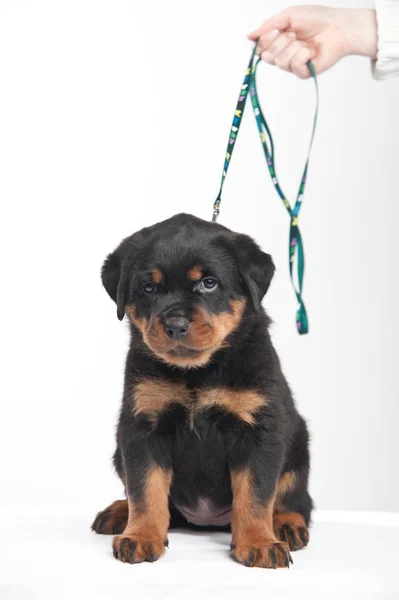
(280,21)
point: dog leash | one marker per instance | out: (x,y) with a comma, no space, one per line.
(295,238)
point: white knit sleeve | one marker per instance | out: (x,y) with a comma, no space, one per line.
(387,63)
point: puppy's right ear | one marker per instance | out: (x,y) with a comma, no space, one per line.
(256,268)
(114,282)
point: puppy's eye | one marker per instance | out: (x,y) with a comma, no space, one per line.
(208,284)
(150,288)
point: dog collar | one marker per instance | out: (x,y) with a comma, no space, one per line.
(296,251)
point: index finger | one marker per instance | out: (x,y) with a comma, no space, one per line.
(280,21)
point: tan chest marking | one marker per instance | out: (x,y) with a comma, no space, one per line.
(153,396)
(244,404)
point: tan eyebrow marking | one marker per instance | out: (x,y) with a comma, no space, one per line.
(156,276)
(195,273)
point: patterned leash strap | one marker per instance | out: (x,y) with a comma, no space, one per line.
(296,250)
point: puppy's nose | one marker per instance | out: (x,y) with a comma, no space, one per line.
(176,327)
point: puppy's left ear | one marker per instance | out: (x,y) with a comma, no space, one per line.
(256,268)
(114,282)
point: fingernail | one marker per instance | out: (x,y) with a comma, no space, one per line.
(272,34)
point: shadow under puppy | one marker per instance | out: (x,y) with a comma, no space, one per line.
(208,432)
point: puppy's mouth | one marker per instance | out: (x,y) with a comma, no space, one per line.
(184,352)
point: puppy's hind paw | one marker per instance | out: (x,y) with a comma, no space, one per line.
(112,519)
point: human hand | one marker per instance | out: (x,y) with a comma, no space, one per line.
(321,34)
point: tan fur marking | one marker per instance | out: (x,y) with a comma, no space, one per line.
(249,519)
(254,541)
(156,276)
(141,324)
(207,334)
(285,485)
(211,330)
(242,403)
(148,523)
(226,323)
(294,523)
(295,520)
(195,273)
(153,396)
(112,519)
(153,517)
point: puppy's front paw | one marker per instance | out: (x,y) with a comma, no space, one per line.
(269,555)
(134,549)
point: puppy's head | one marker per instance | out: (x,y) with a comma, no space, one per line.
(185,284)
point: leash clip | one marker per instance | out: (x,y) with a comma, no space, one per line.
(216,211)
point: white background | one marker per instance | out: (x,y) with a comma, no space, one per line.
(114,115)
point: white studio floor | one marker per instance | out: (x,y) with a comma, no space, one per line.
(52,553)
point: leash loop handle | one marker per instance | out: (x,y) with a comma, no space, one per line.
(296,250)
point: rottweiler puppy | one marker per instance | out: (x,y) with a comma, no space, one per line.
(208,432)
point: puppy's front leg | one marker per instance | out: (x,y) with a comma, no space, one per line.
(148,483)
(254,489)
